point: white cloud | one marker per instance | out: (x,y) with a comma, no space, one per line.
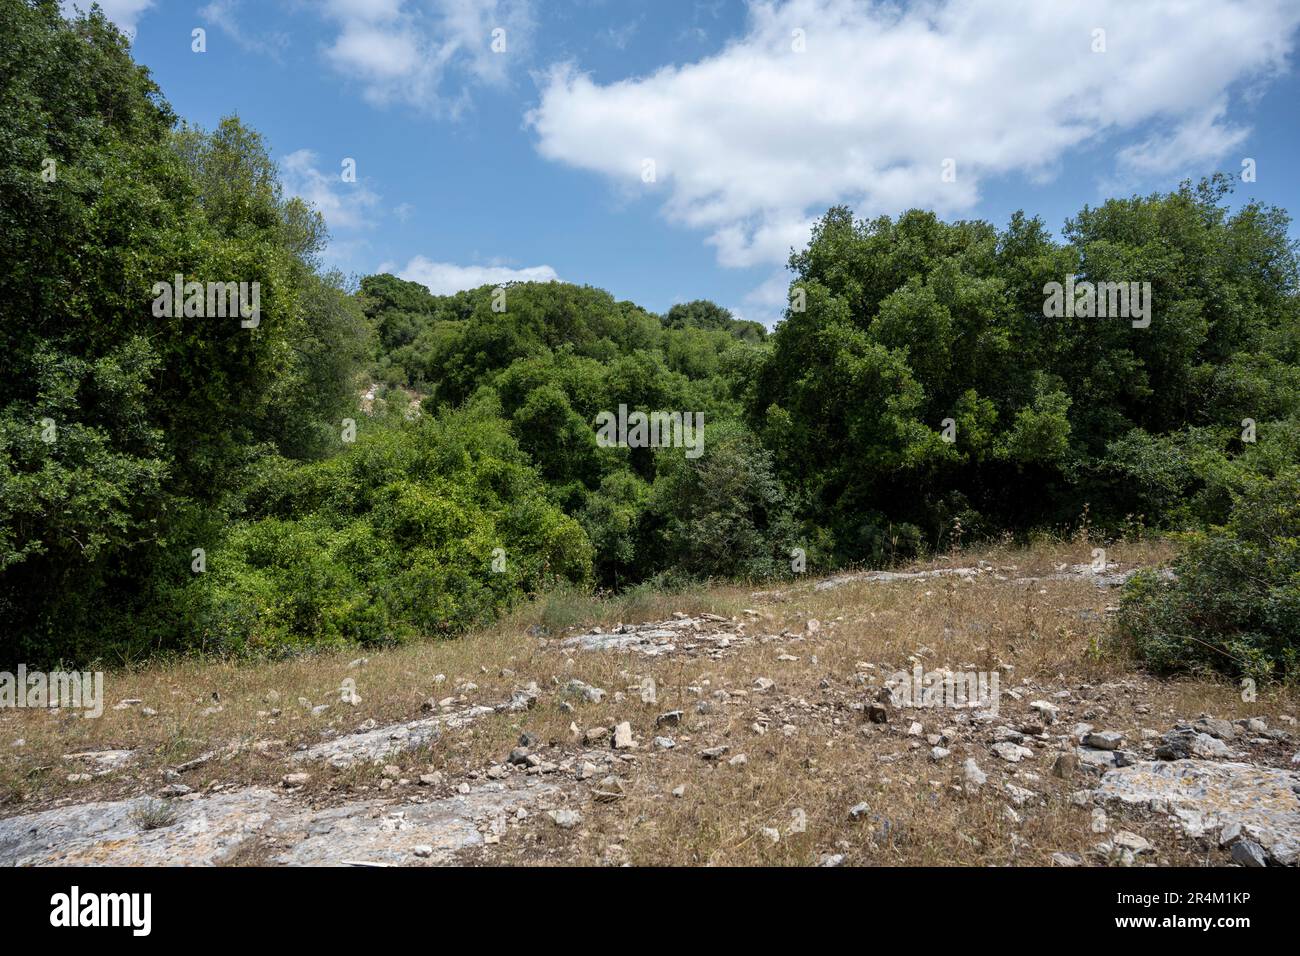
(444,278)
(1199,140)
(221,13)
(766,302)
(753,142)
(772,294)
(344,205)
(125,14)
(426,53)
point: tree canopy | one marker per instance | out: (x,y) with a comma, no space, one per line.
(369,462)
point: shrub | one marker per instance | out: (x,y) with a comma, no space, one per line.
(392,539)
(1234,606)
(724,514)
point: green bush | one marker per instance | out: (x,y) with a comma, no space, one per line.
(915,398)
(1234,606)
(723,514)
(394,538)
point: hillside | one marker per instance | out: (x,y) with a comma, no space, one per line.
(716,726)
(983,548)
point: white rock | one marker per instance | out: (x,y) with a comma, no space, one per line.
(1205,796)
(1019,795)
(1104,740)
(1127,840)
(1045,709)
(1012,753)
(565,819)
(1203,745)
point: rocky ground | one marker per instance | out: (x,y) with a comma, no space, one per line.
(739,727)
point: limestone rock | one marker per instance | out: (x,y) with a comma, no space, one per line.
(1249,853)
(1183,742)
(1104,740)
(1205,796)
(1012,753)
(565,819)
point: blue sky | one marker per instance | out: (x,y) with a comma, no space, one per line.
(531,161)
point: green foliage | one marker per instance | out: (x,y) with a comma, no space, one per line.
(1235,604)
(709,316)
(913,322)
(915,392)
(556,357)
(612,516)
(391,539)
(723,514)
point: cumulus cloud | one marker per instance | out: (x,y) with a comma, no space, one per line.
(444,278)
(751,143)
(344,205)
(425,53)
(125,14)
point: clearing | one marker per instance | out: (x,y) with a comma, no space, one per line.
(719,726)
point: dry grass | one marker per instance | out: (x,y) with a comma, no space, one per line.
(1042,638)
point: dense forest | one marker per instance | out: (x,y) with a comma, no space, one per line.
(371,463)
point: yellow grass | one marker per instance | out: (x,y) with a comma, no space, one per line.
(1041,638)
